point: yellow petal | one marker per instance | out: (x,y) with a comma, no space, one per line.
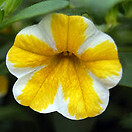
(103,51)
(104,68)
(102,60)
(77,87)
(59,26)
(69,31)
(28,51)
(109,72)
(40,88)
(76,33)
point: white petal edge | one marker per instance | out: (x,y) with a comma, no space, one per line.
(19,72)
(111,81)
(101,91)
(95,39)
(21,83)
(59,104)
(42,31)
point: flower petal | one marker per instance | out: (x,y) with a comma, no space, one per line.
(84,96)
(79,30)
(108,72)
(70,32)
(28,52)
(38,89)
(100,55)
(99,47)
(59,24)
(64,87)
(42,31)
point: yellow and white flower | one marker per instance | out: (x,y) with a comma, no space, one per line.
(64,64)
(3,86)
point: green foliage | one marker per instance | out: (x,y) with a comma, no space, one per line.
(41,8)
(97,8)
(2,3)
(127,6)
(10,6)
(1,15)
(111,17)
(126,59)
(101,7)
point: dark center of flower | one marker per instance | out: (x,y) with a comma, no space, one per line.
(67,53)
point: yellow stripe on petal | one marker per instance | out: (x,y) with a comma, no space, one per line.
(3,85)
(28,51)
(76,33)
(104,68)
(77,87)
(59,25)
(33,44)
(41,89)
(22,58)
(104,51)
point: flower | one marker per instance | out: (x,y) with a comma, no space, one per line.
(3,85)
(64,64)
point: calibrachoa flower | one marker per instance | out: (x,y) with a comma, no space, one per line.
(64,64)
(3,85)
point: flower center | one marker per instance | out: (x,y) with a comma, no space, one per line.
(67,53)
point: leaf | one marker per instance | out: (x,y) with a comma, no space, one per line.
(127,6)
(2,3)
(122,34)
(103,6)
(79,3)
(10,6)
(126,61)
(111,17)
(98,8)
(41,8)
(75,11)
(1,15)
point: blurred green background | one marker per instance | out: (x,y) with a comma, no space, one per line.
(111,16)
